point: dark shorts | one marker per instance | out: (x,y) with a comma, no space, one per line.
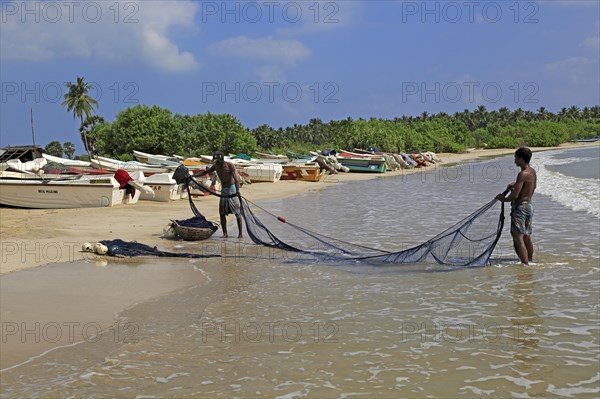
(229,205)
(521,216)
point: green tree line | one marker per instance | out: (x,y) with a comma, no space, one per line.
(158,130)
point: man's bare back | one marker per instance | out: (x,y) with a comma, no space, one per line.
(529,183)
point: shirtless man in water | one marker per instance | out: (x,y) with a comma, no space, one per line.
(521,208)
(229,186)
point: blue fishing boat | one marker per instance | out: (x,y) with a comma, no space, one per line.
(363,164)
(592,140)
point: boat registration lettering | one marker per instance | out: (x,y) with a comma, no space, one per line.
(48,191)
(100,181)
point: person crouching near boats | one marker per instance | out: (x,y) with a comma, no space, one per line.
(521,214)
(230,187)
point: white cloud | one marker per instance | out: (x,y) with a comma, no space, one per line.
(575,69)
(118,32)
(274,54)
(279,51)
(270,73)
(166,55)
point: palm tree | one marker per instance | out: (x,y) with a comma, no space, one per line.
(586,113)
(80,103)
(467,118)
(564,112)
(503,115)
(574,112)
(480,116)
(69,149)
(543,115)
(528,116)
(54,148)
(86,127)
(518,114)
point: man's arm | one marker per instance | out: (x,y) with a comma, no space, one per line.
(235,177)
(515,189)
(205,171)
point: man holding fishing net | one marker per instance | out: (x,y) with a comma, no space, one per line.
(521,208)
(230,186)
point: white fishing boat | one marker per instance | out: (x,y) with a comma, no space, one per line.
(66,162)
(208,159)
(29,166)
(271,157)
(165,188)
(131,166)
(11,174)
(264,172)
(81,191)
(157,159)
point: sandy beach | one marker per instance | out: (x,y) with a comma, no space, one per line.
(34,237)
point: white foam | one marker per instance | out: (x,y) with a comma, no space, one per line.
(571,392)
(40,355)
(88,376)
(522,382)
(578,194)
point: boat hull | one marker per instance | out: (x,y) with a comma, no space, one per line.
(86,193)
(163,192)
(302,157)
(302,173)
(152,159)
(261,156)
(165,188)
(363,164)
(194,164)
(131,166)
(264,172)
(593,140)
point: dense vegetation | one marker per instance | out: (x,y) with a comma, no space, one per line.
(158,130)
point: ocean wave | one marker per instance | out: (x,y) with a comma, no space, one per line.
(579,194)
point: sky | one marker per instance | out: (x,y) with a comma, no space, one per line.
(283,63)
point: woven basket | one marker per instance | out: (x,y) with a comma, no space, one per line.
(192,233)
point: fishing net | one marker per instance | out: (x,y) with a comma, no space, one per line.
(122,248)
(470,242)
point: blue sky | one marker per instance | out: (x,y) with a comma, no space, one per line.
(282,63)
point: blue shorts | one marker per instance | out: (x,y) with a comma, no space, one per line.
(521,216)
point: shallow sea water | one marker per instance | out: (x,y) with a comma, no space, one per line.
(265,325)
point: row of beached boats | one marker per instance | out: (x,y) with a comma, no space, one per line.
(52,182)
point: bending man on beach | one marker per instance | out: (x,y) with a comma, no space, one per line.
(230,187)
(521,214)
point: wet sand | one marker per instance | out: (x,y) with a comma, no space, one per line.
(67,304)
(34,237)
